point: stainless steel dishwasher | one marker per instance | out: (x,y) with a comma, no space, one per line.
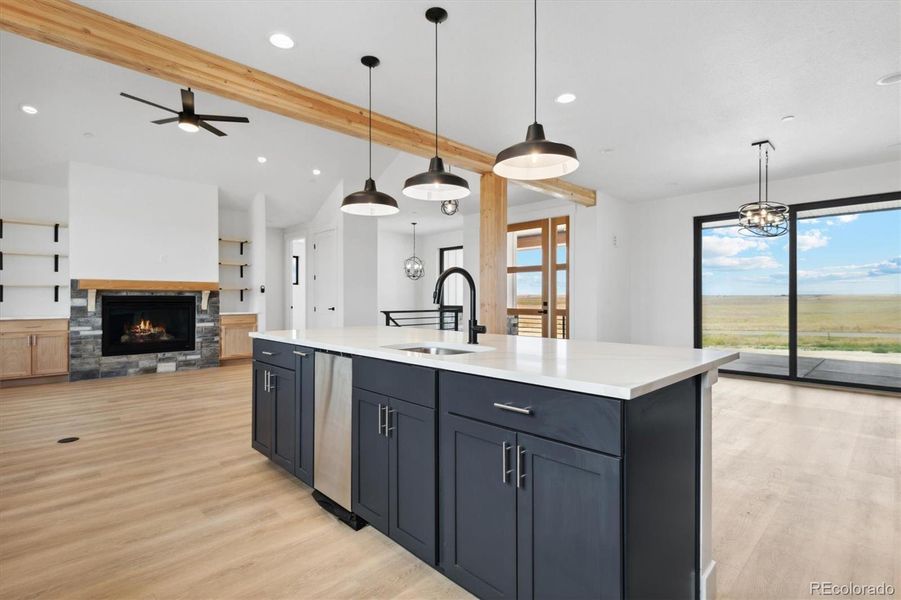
(333,424)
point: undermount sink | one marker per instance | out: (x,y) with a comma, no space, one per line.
(440,348)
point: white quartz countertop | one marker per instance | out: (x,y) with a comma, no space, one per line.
(622,371)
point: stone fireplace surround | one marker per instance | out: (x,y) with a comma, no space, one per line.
(85,338)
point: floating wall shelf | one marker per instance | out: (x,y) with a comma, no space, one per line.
(240,265)
(55,225)
(54,255)
(234,241)
(240,291)
(31,285)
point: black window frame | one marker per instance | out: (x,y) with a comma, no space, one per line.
(794,209)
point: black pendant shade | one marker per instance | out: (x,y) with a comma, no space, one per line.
(536,158)
(436,184)
(370,202)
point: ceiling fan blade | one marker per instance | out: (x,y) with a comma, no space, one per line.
(147,102)
(210,128)
(164,121)
(224,118)
(187,101)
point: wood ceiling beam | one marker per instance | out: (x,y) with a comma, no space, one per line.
(85,31)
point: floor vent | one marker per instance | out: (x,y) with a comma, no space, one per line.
(67,440)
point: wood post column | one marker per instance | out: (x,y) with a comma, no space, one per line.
(493,253)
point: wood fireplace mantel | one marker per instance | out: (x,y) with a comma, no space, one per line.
(147,285)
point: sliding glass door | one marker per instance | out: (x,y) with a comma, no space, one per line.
(820,304)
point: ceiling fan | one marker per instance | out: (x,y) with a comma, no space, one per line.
(187,119)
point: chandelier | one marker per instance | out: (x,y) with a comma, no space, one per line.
(763,218)
(413,266)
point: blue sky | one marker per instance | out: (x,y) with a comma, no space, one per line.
(846,254)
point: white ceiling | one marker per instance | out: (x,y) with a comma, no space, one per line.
(670,94)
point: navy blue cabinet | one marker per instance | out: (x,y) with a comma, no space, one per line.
(369,488)
(261,413)
(283,406)
(568,521)
(478,506)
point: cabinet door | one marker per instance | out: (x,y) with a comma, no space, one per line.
(235,341)
(15,355)
(411,431)
(370,459)
(262,417)
(478,528)
(568,530)
(304,382)
(50,353)
(285,427)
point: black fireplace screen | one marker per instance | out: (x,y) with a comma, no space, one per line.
(145,324)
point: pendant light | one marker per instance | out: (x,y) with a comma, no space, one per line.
(763,218)
(370,202)
(536,158)
(437,183)
(413,266)
(449,207)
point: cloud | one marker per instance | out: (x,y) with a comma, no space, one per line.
(847,218)
(812,239)
(891,266)
(741,263)
(730,245)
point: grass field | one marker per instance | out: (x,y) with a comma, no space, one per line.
(847,323)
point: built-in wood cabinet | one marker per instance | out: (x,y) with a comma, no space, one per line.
(34,348)
(234,341)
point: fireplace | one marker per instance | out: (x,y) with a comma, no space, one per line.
(147,324)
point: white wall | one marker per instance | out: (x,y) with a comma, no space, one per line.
(359,259)
(395,290)
(126,225)
(296,315)
(277,279)
(31,202)
(254,301)
(611,261)
(662,242)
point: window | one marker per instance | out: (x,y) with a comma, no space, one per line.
(453,287)
(821,304)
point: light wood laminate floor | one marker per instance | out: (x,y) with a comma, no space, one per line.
(163,497)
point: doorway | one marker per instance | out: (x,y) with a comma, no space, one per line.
(538,278)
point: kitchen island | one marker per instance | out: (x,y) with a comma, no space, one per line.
(520,467)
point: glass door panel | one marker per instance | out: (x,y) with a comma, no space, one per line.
(559,306)
(527,272)
(744,297)
(849,294)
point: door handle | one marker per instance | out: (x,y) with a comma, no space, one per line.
(265,381)
(510,408)
(520,452)
(505,461)
(300,354)
(331,308)
(267,353)
(388,428)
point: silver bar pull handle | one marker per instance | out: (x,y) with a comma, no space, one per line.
(267,353)
(509,407)
(505,460)
(520,453)
(300,354)
(265,381)
(388,427)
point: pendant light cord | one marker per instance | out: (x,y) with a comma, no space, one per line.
(767,178)
(535,55)
(436,89)
(759,174)
(370,122)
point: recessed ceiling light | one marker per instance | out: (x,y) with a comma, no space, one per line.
(29,110)
(607,150)
(316,171)
(890,79)
(280,40)
(788,118)
(88,134)
(565,98)
(261,159)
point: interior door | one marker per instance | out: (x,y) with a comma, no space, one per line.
(325,279)
(527,276)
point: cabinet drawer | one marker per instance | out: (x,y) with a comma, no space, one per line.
(274,353)
(592,422)
(405,382)
(33,325)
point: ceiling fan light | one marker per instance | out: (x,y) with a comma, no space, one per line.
(536,158)
(436,184)
(369,203)
(189,124)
